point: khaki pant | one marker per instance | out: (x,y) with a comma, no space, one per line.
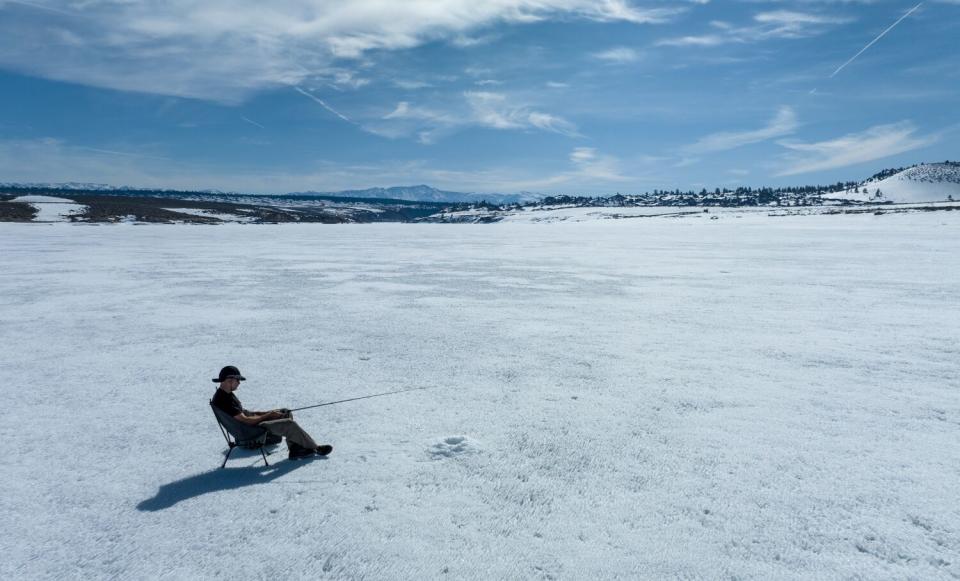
(290,430)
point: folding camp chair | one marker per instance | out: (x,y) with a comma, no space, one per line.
(245,436)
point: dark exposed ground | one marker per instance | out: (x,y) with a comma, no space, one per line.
(895,210)
(887,209)
(16,211)
(110,208)
(161,207)
(113,208)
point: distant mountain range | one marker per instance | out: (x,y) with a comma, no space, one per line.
(918,183)
(423,193)
(90,203)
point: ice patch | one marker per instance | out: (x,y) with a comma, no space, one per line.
(452,446)
(697,390)
(51,209)
(43,200)
(222,216)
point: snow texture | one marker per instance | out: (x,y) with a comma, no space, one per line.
(52,209)
(685,213)
(765,398)
(212,214)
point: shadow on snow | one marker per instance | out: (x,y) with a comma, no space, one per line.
(216,480)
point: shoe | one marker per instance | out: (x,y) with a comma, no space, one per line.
(298,453)
(324,449)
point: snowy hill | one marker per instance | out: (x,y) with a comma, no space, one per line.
(926,182)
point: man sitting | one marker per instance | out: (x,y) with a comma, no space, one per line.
(278,422)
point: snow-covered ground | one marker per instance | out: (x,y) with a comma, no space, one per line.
(575,214)
(240,218)
(52,209)
(769,398)
(551,214)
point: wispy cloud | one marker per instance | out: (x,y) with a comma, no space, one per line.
(701,40)
(587,171)
(783,123)
(590,164)
(405,120)
(875,143)
(796,20)
(621,10)
(224,50)
(410,85)
(618,55)
(477,109)
(466,41)
(496,111)
(776,24)
(552,123)
(343,79)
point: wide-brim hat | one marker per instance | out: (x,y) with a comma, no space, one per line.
(229,372)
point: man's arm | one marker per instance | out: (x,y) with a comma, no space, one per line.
(283,411)
(253,418)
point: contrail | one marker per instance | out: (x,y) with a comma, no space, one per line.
(909,12)
(252,122)
(322,104)
(122,153)
(40,7)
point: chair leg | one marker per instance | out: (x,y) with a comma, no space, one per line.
(262,453)
(230,451)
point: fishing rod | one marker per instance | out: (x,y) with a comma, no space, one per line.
(361,397)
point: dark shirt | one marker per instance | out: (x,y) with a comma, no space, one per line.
(227,402)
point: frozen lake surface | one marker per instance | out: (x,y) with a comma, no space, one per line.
(51,209)
(772,398)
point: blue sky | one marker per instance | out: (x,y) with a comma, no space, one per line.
(551,96)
